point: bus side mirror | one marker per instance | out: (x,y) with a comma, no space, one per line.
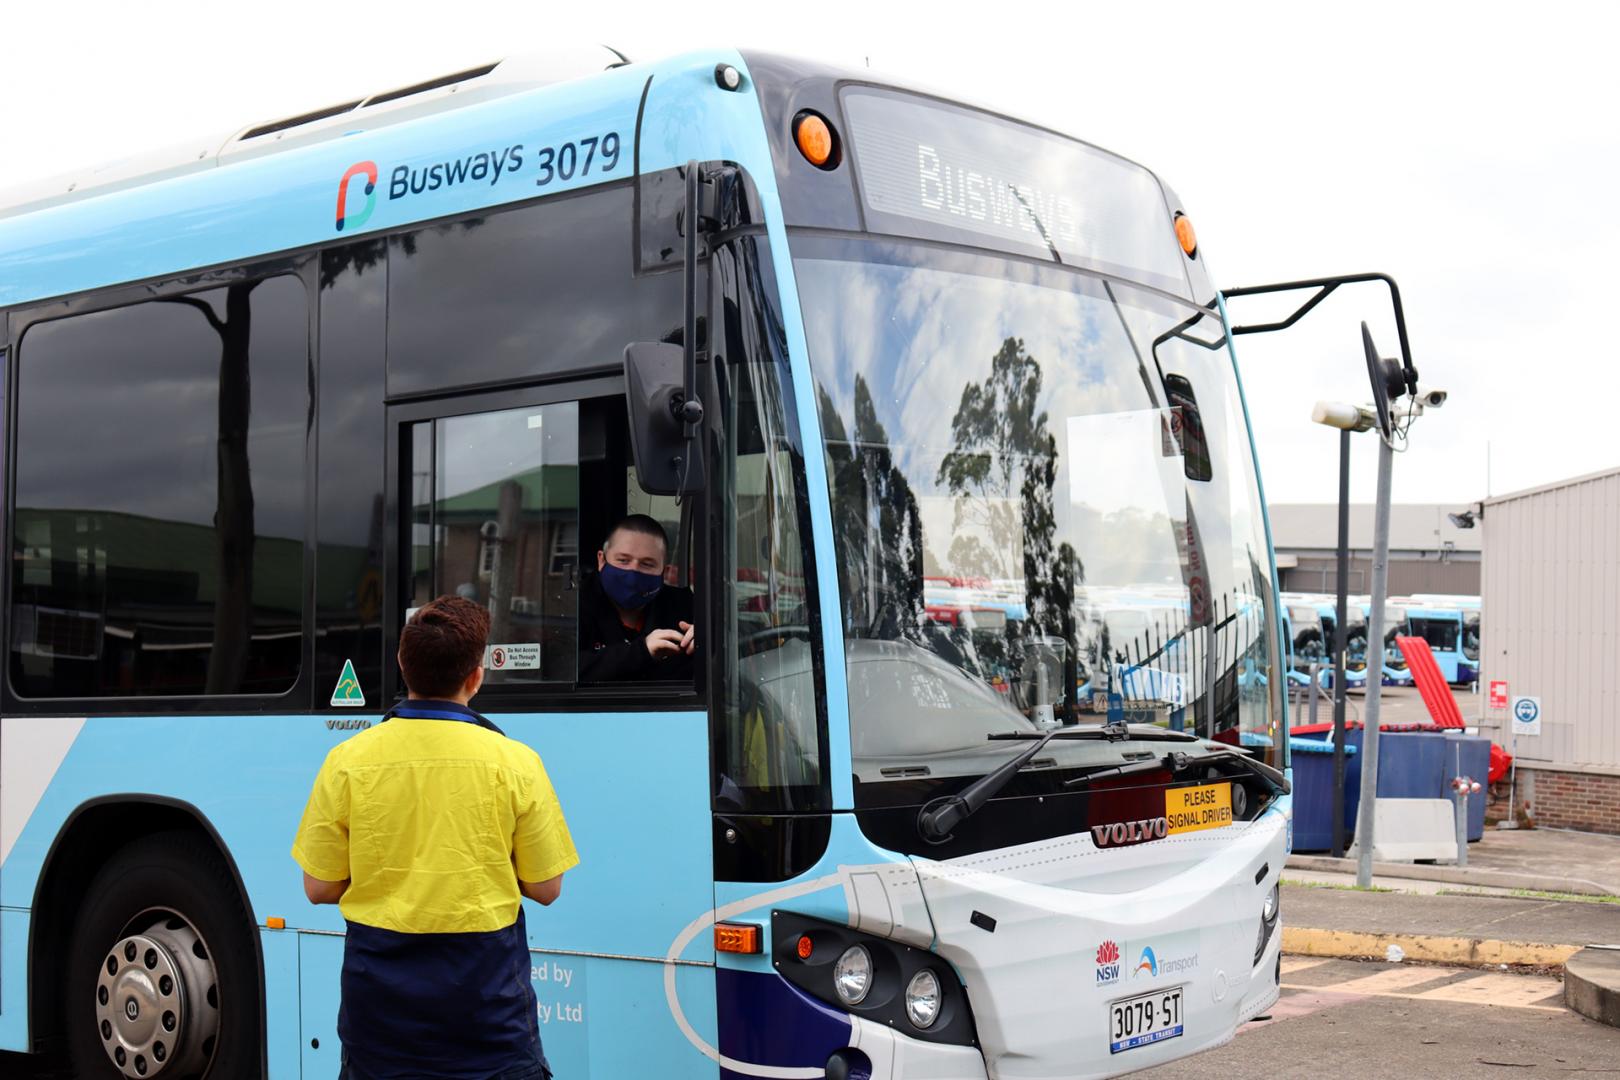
(668,462)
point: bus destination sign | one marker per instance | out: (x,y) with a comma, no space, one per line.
(940,171)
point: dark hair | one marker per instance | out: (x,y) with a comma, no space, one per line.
(640,523)
(443,645)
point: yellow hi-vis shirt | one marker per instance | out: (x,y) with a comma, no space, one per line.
(432,822)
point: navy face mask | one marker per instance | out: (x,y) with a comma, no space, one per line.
(630,589)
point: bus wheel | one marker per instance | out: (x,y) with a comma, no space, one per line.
(162,980)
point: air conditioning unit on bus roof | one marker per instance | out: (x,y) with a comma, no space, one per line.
(483,83)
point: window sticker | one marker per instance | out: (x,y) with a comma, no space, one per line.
(519,656)
(347,692)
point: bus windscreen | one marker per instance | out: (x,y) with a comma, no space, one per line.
(942,172)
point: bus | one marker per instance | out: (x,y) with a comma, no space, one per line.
(1313,618)
(1450,624)
(1355,651)
(849,342)
(1396,670)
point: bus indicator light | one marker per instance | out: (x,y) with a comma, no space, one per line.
(814,137)
(275,922)
(805,947)
(1185,234)
(736,938)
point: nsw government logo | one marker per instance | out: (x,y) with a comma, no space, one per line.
(1107,963)
(367,169)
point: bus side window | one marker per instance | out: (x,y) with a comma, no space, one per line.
(160,498)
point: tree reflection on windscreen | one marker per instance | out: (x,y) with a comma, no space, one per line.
(1013,511)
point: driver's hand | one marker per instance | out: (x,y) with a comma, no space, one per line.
(663,644)
(688,638)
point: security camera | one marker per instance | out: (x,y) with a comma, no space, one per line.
(1430,397)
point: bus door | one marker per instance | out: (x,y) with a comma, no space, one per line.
(505,498)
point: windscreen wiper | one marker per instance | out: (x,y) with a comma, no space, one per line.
(938,817)
(1273,778)
(1177,763)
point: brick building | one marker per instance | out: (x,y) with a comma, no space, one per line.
(1550,590)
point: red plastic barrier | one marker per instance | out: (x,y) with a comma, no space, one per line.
(1430,683)
(1356,725)
(1501,761)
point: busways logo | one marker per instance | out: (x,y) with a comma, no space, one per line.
(485,166)
(1107,963)
(1149,963)
(367,169)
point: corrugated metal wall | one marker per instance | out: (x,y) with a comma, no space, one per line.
(1550,591)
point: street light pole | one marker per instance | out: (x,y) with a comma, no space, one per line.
(1340,643)
(1375,641)
(1349,419)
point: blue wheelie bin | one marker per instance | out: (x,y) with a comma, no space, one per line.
(1313,793)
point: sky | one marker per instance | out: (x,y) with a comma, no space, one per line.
(1469,150)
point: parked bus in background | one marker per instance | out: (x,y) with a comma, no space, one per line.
(1396,672)
(1355,650)
(847,341)
(1450,625)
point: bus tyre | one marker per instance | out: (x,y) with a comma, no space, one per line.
(161,979)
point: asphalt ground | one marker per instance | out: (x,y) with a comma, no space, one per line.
(1378,1021)
(1396,705)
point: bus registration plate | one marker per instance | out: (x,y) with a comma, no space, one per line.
(1144,1019)
(1207,806)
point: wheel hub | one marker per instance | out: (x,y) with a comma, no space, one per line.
(157,1006)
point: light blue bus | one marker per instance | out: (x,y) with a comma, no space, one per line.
(264,395)
(1450,624)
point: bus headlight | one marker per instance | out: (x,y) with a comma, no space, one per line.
(852,975)
(1269,909)
(922,998)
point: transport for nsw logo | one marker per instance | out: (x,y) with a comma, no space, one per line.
(367,169)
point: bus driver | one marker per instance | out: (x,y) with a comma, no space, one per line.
(633,626)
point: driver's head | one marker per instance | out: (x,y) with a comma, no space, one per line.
(636,543)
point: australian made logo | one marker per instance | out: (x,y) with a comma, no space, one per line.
(1107,963)
(1121,833)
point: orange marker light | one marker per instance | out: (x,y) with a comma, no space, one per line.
(276,922)
(815,139)
(736,938)
(805,947)
(1184,233)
